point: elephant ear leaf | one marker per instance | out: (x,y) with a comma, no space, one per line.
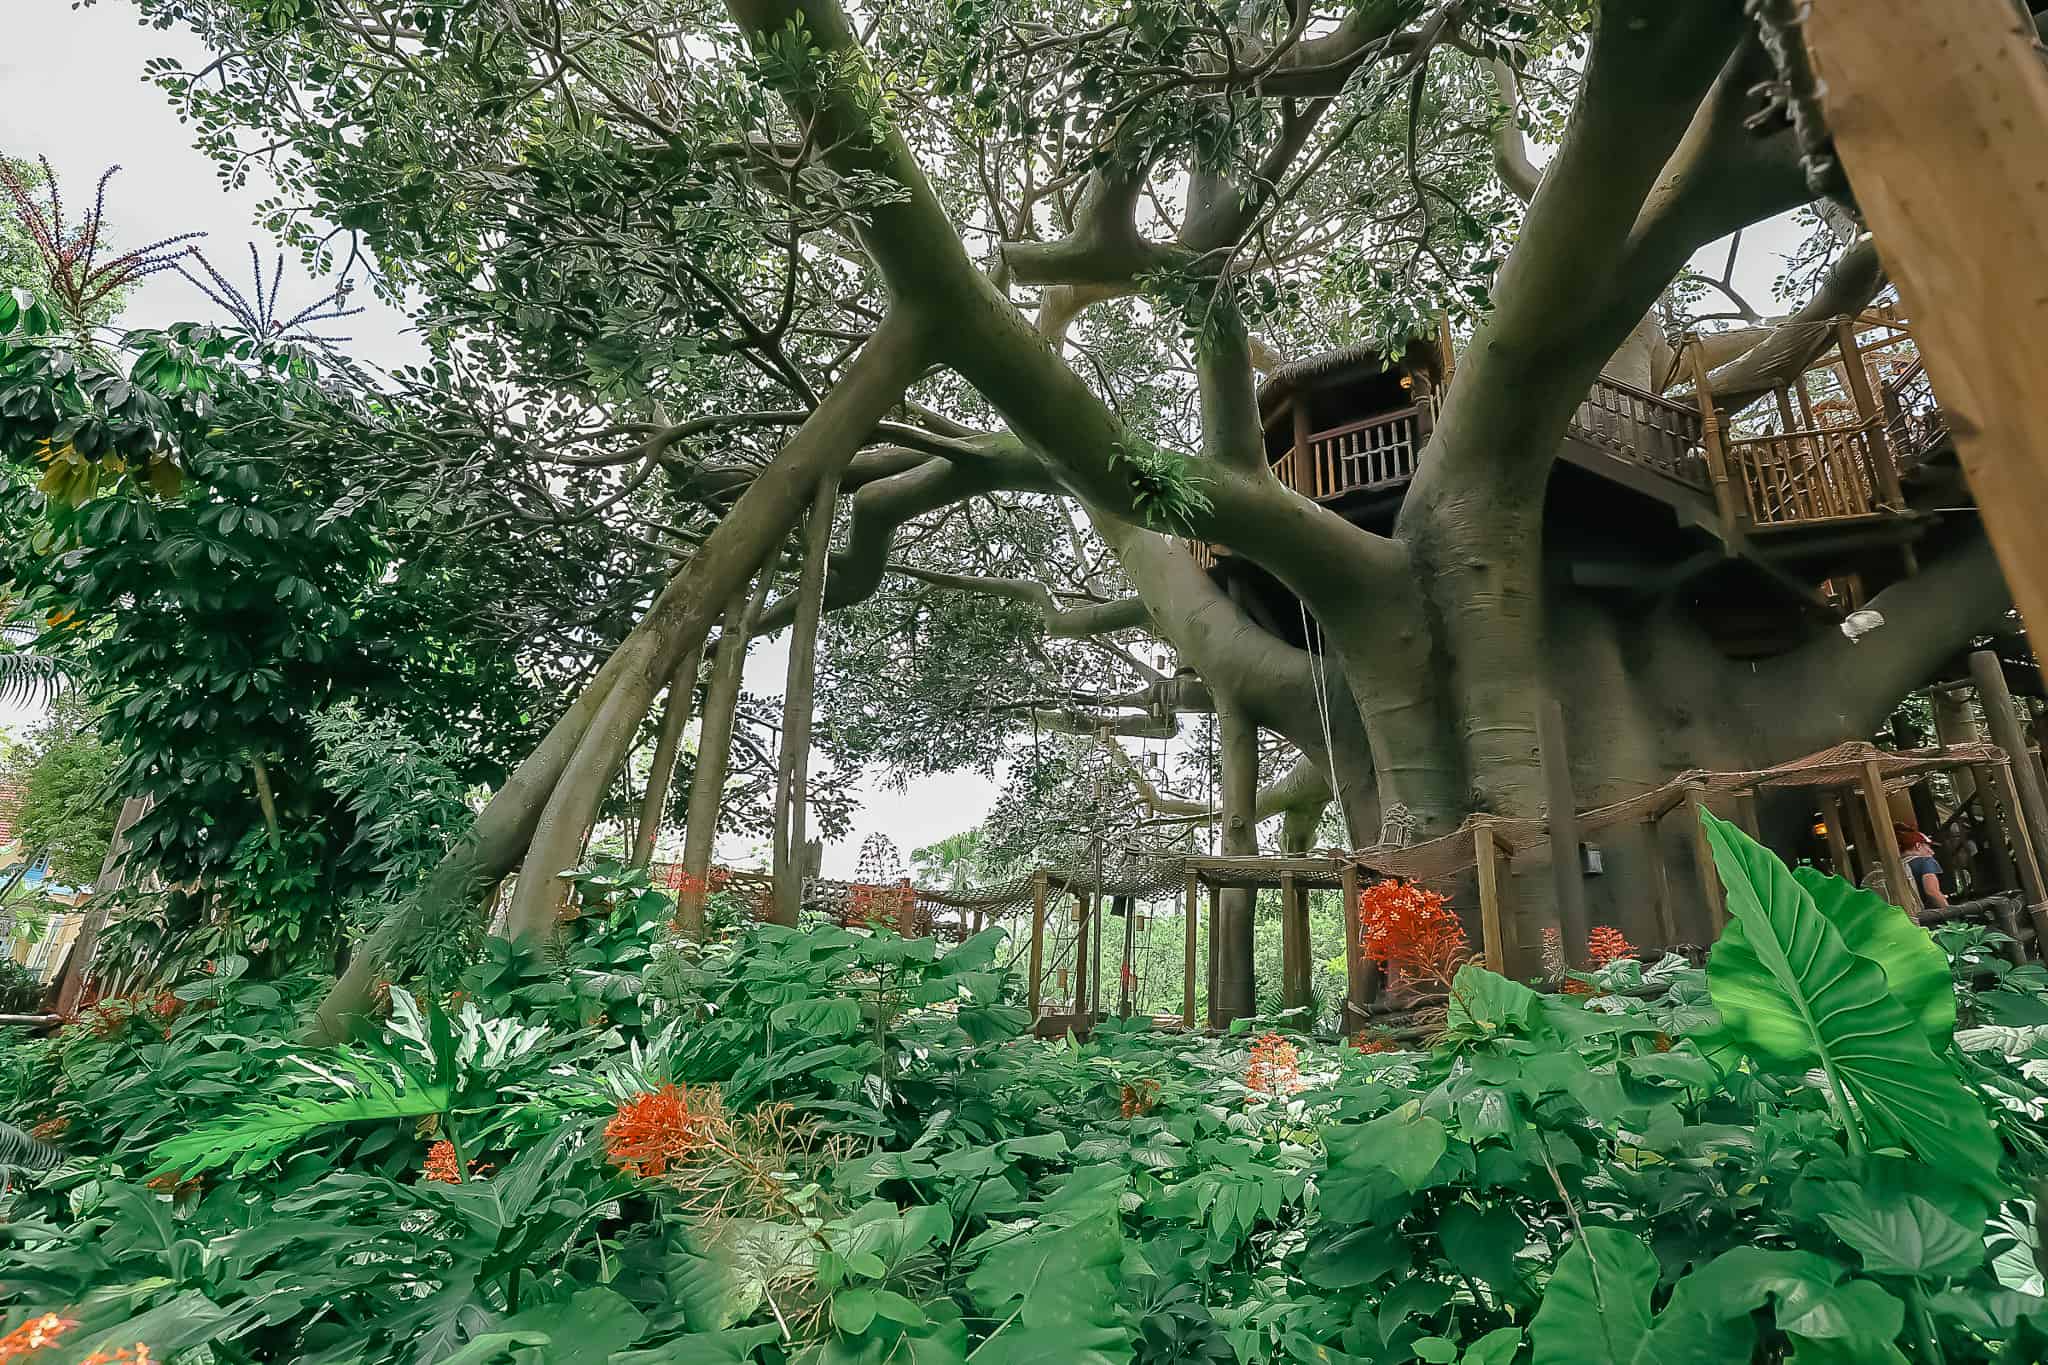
(1914,965)
(1793,996)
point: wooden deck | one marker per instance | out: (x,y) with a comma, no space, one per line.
(1776,474)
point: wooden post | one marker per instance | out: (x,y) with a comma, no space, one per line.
(1033,988)
(1867,409)
(1745,813)
(1838,842)
(1943,149)
(2004,722)
(1660,882)
(792,766)
(1898,880)
(1084,914)
(1194,919)
(1703,859)
(1725,504)
(1292,951)
(1215,928)
(1354,951)
(1564,833)
(1304,478)
(1997,778)
(1486,861)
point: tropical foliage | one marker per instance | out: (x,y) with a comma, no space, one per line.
(835,1146)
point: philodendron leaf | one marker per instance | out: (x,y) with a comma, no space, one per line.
(1914,965)
(1598,1304)
(1793,996)
(1908,1237)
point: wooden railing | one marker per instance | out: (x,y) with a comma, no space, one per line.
(1643,429)
(1914,421)
(1379,452)
(1800,477)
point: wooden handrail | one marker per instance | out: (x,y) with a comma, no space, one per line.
(1377,420)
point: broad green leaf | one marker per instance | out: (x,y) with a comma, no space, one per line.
(1497,1347)
(1793,996)
(1406,1142)
(1485,1003)
(1908,1237)
(1597,1307)
(1914,965)
(1482,1242)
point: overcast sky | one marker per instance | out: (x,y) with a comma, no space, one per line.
(72,89)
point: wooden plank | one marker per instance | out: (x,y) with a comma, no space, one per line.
(1035,982)
(1194,918)
(1354,952)
(1486,859)
(1563,819)
(1660,882)
(1898,880)
(1943,150)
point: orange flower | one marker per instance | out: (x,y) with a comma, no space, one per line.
(663,1128)
(1371,1040)
(441,1166)
(1571,985)
(1412,930)
(1607,944)
(1275,1067)
(138,1354)
(33,1336)
(49,1130)
(1138,1099)
(168,1183)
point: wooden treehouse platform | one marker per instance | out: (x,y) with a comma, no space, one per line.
(1790,486)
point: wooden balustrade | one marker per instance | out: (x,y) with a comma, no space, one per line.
(1379,452)
(1800,477)
(1644,429)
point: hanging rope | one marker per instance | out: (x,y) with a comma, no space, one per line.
(1318,660)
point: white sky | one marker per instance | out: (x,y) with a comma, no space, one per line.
(72,89)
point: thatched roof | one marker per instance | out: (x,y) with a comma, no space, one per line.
(1362,358)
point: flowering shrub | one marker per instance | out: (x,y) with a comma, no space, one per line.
(1275,1067)
(33,1336)
(1370,1041)
(1415,932)
(441,1166)
(663,1128)
(1607,944)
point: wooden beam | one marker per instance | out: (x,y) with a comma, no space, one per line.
(1997,779)
(1703,862)
(1838,842)
(1897,879)
(1215,924)
(1564,832)
(2002,718)
(1486,852)
(1194,920)
(1660,882)
(1943,150)
(1033,989)
(1727,510)
(1293,948)
(1354,952)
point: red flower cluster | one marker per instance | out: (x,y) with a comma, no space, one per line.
(1415,932)
(1275,1067)
(441,1167)
(33,1336)
(168,1183)
(1138,1099)
(1607,944)
(49,1130)
(678,879)
(1371,1041)
(880,907)
(663,1128)
(138,1354)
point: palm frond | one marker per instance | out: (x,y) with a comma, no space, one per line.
(29,679)
(20,1152)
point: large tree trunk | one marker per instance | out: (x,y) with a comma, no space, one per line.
(792,768)
(714,754)
(1236,989)
(668,743)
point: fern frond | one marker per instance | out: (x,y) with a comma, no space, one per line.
(30,679)
(20,1152)
(357,1090)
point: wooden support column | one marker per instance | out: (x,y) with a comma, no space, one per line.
(1898,880)
(1304,477)
(1858,379)
(1194,920)
(1703,860)
(1084,915)
(1997,779)
(1564,833)
(2003,719)
(1486,853)
(1745,813)
(1943,150)
(1838,841)
(1660,882)
(1354,952)
(1215,930)
(1711,441)
(1294,948)
(1034,987)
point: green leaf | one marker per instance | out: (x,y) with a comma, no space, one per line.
(1484,1004)
(1597,1307)
(1497,1347)
(1482,1243)
(1914,965)
(1908,1237)
(1792,996)
(1406,1142)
